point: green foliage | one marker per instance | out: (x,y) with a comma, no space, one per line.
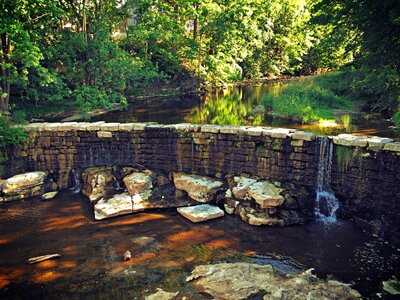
(307,101)
(397,119)
(10,135)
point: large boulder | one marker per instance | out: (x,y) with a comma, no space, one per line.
(24,185)
(98,182)
(22,182)
(263,192)
(258,217)
(199,188)
(241,187)
(201,213)
(139,182)
(243,280)
(266,194)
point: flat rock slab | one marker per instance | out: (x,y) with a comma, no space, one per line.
(199,188)
(201,213)
(242,280)
(162,295)
(120,204)
(23,182)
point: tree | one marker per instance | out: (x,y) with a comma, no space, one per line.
(23,24)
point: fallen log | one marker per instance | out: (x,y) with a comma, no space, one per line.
(38,259)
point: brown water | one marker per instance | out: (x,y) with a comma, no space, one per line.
(241,106)
(165,249)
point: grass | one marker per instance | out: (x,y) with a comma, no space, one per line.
(309,100)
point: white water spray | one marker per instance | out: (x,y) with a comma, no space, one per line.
(326,203)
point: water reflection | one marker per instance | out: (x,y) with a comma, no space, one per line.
(243,105)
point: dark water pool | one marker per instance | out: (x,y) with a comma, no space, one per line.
(165,249)
(241,106)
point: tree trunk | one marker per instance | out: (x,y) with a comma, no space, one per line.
(5,80)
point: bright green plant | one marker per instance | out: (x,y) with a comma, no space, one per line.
(307,101)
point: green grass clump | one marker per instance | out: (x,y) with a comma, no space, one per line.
(308,101)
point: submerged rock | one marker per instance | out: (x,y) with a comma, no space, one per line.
(199,188)
(242,280)
(97,182)
(201,213)
(24,185)
(161,295)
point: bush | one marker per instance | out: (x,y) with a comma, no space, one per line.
(90,97)
(9,135)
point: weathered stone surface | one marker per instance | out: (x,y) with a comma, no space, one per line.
(162,295)
(241,189)
(350,140)
(258,218)
(376,143)
(139,182)
(227,281)
(199,188)
(120,204)
(23,182)
(97,182)
(201,213)
(395,147)
(49,195)
(104,134)
(303,135)
(266,194)
(369,186)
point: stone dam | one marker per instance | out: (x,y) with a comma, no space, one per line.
(360,171)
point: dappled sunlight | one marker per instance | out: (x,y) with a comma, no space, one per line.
(221,244)
(47,264)
(132,219)
(192,236)
(45,277)
(6,240)
(8,275)
(138,259)
(62,223)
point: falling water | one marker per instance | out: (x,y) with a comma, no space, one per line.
(326,204)
(76,181)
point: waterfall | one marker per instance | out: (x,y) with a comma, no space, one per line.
(326,203)
(76,181)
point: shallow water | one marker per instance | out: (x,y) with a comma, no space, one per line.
(165,249)
(240,106)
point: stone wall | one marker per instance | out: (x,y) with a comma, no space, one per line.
(365,173)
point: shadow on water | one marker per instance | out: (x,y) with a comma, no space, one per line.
(242,105)
(165,249)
